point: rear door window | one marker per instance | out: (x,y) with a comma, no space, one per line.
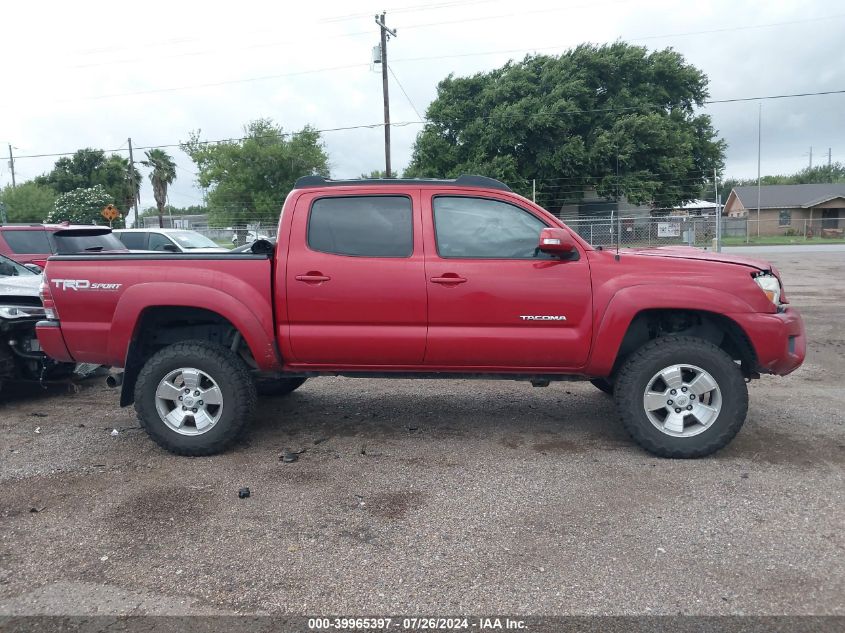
(134,241)
(362,226)
(27,241)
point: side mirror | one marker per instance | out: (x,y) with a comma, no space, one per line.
(170,248)
(556,241)
(34,267)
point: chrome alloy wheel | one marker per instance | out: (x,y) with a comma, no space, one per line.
(682,400)
(189,401)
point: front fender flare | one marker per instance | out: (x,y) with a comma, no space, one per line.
(628,302)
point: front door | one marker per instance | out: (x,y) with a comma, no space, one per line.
(355,281)
(495,301)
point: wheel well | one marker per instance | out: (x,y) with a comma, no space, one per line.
(710,326)
(161,326)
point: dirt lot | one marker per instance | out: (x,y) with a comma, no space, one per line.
(435,497)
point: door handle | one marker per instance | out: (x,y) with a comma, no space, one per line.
(448,278)
(313,278)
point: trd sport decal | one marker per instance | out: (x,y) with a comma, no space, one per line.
(82,284)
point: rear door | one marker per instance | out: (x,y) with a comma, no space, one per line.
(495,301)
(355,279)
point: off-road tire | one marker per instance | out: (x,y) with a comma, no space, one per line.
(603,384)
(229,372)
(638,369)
(277,386)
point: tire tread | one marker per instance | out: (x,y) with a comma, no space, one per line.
(244,399)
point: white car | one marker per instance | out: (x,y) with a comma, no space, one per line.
(167,240)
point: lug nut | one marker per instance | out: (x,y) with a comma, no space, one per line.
(670,402)
(184,408)
(200,403)
(684,389)
(692,396)
(677,410)
(187,391)
(197,392)
(674,391)
(180,397)
(194,410)
(689,407)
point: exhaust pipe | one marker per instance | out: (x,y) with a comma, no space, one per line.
(114,380)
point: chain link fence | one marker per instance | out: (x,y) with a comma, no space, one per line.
(645,230)
(637,231)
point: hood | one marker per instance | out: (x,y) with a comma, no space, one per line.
(23,286)
(686,252)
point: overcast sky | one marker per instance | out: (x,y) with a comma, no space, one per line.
(91,74)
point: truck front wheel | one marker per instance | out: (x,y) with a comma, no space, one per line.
(194,398)
(680,396)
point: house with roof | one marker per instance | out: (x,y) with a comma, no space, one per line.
(816,208)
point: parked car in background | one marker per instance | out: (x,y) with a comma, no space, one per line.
(34,243)
(21,357)
(167,241)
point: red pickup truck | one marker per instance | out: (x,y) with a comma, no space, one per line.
(425,278)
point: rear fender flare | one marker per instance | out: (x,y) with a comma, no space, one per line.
(127,316)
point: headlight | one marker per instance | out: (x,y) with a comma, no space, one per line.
(21,312)
(770,285)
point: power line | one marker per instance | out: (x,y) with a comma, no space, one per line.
(404,92)
(423,121)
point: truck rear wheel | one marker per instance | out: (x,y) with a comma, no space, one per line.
(194,398)
(682,397)
(278,386)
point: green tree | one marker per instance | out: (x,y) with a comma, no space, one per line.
(376,173)
(809,175)
(248,179)
(573,123)
(28,202)
(89,167)
(82,206)
(161,177)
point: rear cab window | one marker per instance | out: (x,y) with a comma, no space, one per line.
(27,241)
(70,242)
(362,226)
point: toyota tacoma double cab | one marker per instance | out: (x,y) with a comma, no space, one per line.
(432,279)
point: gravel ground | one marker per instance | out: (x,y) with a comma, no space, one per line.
(435,497)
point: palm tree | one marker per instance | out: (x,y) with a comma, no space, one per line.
(163,174)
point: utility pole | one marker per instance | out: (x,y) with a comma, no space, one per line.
(759,146)
(718,213)
(12,164)
(133,184)
(386,33)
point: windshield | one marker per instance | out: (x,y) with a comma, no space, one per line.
(191,239)
(10,268)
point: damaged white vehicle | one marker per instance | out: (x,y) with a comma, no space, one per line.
(21,357)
